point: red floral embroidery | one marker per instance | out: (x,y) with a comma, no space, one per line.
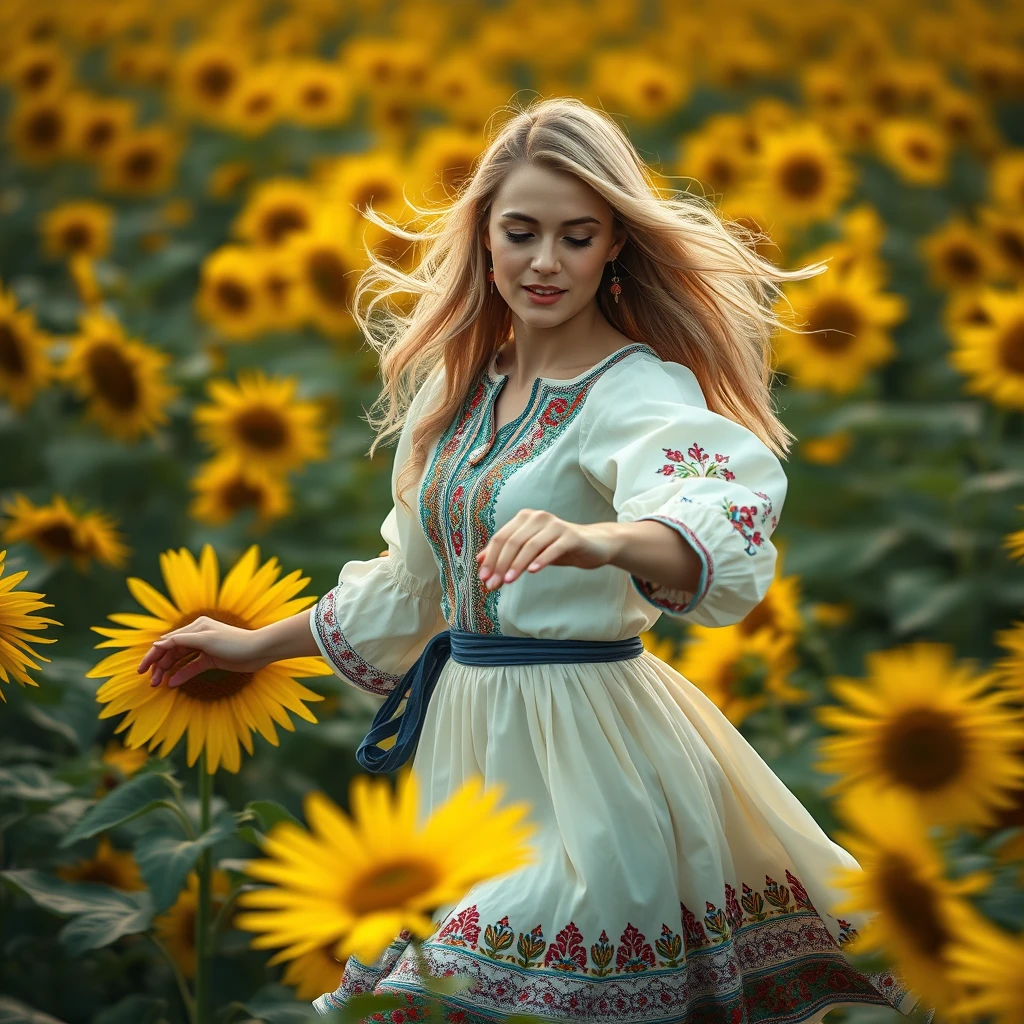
(567,952)
(700,464)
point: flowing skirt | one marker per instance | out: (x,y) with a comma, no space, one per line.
(675,878)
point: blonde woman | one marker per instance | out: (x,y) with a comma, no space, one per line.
(587,442)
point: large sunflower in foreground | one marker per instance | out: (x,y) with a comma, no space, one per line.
(991,354)
(358,882)
(219,709)
(843,320)
(16,608)
(923,724)
(901,883)
(260,419)
(121,379)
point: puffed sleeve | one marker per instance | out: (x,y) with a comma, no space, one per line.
(651,446)
(375,623)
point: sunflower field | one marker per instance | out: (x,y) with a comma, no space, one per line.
(182,394)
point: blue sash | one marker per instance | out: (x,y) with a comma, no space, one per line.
(468,649)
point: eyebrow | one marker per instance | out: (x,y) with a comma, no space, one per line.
(513,215)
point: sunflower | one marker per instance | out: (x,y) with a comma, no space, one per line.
(800,174)
(226,178)
(176,927)
(1010,668)
(355,883)
(314,972)
(317,93)
(282,309)
(257,102)
(991,355)
(985,961)
(1014,544)
(779,609)
(443,159)
(646,87)
(915,149)
(218,708)
(321,263)
(261,419)
(846,315)
(828,450)
(16,616)
(121,379)
(206,76)
(276,209)
(716,162)
(38,130)
(923,725)
(664,648)
(78,227)
(965,119)
(741,672)
(39,69)
(826,86)
(1005,234)
(900,887)
(97,123)
(25,365)
(122,763)
(231,294)
(57,531)
(1006,180)
(957,255)
(229,484)
(854,127)
(108,866)
(142,162)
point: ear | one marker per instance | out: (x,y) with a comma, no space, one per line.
(619,240)
(487,239)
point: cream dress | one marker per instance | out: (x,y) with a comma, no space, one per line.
(676,878)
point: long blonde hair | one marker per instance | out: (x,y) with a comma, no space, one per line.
(694,288)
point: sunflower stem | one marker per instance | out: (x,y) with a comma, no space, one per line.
(202,1015)
(186,996)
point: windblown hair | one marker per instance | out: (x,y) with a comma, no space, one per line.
(694,288)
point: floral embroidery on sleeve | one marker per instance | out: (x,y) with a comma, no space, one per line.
(700,466)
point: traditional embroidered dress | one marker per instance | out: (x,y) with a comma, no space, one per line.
(676,878)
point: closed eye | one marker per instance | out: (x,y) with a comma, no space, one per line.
(580,243)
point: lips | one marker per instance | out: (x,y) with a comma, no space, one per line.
(537,291)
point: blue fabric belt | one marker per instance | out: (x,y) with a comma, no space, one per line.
(468,649)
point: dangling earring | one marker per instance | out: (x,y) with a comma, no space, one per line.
(490,277)
(615,287)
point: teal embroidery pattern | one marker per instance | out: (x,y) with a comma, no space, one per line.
(763,956)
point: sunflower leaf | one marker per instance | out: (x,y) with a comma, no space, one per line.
(30,782)
(13,1012)
(165,859)
(270,813)
(131,799)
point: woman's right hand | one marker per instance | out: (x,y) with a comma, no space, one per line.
(215,644)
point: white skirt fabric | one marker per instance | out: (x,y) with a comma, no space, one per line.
(675,879)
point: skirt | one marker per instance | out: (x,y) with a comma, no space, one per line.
(675,878)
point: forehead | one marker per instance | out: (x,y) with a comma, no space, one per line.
(548,195)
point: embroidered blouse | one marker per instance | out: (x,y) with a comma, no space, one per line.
(629,439)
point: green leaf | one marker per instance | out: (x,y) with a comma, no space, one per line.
(133,1009)
(449,986)
(131,799)
(920,598)
(165,859)
(13,1012)
(270,813)
(30,782)
(103,913)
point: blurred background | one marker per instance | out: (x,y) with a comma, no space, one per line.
(180,380)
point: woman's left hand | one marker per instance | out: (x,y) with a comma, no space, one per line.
(533,538)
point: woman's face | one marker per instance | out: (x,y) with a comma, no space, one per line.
(533,240)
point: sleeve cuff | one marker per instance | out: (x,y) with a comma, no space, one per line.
(669,599)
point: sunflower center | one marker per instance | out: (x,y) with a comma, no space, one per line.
(276,286)
(919,150)
(923,750)
(721,171)
(314,95)
(37,75)
(12,358)
(836,324)
(238,495)
(76,237)
(962,262)
(1011,245)
(140,164)
(282,221)
(262,428)
(104,871)
(802,177)
(912,905)
(99,134)
(59,537)
(389,885)
(373,191)
(214,684)
(215,80)
(1011,347)
(257,103)
(653,92)
(327,275)
(232,295)
(113,377)
(44,128)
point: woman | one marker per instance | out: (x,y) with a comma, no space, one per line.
(583,462)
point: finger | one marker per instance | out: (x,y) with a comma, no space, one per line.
(531,550)
(510,551)
(190,670)
(162,652)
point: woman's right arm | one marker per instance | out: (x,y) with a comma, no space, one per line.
(215,644)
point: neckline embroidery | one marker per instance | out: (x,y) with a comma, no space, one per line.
(563,382)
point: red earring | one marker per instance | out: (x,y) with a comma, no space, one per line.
(615,288)
(490,277)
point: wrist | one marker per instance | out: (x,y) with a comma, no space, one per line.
(613,537)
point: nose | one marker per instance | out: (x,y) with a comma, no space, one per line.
(546,259)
